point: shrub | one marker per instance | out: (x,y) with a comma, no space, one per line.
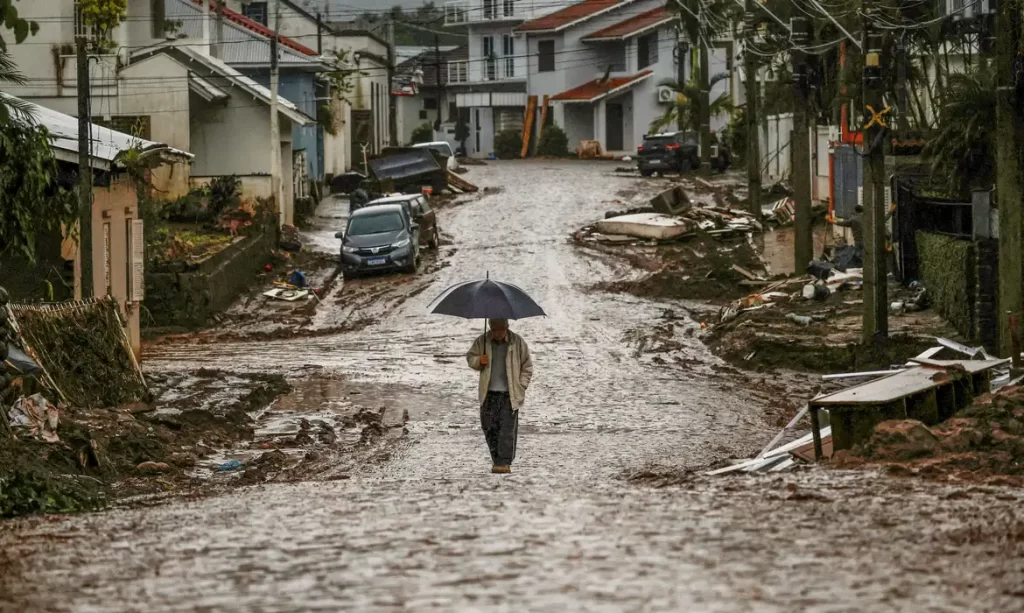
(423,133)
(225,193)
(508,144)
(553,142)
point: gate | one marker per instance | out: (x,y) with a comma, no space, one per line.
(849,175)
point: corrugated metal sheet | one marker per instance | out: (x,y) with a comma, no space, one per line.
(508,119)
(508,99)
(489,99)
(238,46)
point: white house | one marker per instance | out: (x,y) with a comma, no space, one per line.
(600,63)
(491,83)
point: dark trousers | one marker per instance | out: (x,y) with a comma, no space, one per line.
(501,427)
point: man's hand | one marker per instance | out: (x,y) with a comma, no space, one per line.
(483,360)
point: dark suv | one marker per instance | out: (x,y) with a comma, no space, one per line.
(380,237)
(674,151)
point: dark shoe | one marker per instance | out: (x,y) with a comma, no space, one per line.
(501,470)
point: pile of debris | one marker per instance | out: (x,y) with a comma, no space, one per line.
(809,287)
(671,216)
(887,416)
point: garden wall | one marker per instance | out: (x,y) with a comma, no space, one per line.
(948,268)
(191,296)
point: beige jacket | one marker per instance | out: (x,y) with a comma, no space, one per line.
(518,364)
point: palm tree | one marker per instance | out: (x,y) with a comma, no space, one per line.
(686,110)
(963,149)
(9,75)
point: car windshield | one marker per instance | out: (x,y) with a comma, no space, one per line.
(659,140)
(375,224)
(442,149)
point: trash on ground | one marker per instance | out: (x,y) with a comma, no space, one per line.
(287,294)
(230,465)
(37,415)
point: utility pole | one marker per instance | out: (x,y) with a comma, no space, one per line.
(437,71)
(86,287)
(876,132)
(319,35)
(1008,173)
(705,98)
(276,170)
(682,48)
(753,134)
(803,242)
(392,111)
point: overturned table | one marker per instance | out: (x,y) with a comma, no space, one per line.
(930,391)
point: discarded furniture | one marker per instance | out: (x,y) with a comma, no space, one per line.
(645,225)
(673,201)
(930,392)
(409,169)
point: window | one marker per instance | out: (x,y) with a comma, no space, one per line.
(423,114)
(508,8)
(490,9)
(257,11)
(546,56)
(490,63)
(647,50)
(92,34)
(508,47)
(430,104)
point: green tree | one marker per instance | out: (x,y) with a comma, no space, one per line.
(32,202)
(508,145)
(962,151)
(686,110)
(102,16)
(424,133)
(553,142)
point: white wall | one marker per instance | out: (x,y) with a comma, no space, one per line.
(243,124)
(577,120)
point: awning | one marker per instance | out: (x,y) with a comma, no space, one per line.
(206,90)
(595,90)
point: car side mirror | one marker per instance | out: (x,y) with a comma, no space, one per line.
(339,235)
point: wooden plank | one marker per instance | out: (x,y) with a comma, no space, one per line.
(459,183)
(531,110)
(806,451)
(543,114)
(902,384)
(743,271)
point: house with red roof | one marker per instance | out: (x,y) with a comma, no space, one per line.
(490,84)
(600,63)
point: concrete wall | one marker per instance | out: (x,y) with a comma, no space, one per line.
(113,209)
(189,298)
(337,147)
(241,122)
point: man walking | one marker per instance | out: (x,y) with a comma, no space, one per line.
(505,367)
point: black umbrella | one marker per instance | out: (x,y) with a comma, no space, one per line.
(486,299)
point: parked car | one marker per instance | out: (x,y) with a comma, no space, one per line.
(379,237)
(419,211)
(673,151)
(445,149)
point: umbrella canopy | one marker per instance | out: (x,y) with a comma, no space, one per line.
(486,299)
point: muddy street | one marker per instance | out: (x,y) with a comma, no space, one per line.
(602,511)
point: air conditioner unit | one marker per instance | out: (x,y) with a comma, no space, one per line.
(666,95)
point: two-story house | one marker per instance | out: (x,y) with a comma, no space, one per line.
(491,82)
(600,63)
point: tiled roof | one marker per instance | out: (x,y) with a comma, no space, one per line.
(593,91)
(570,15)
(256,27)
(633,26)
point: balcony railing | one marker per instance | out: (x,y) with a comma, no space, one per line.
(458,12)
(458,72)
(499,69)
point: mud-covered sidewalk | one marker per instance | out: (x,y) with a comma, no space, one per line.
(603,511)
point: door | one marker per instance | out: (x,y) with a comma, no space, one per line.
(613,127)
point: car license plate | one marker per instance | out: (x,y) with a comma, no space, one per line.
(655,163)
(376,261)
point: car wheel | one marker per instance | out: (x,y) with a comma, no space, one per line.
(646,173)
(415,264)
(435,241)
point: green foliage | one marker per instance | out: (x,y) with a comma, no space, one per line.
(225,192)
(103,16)
(687,105)
(342,78)
(947,270)
(553,142)
(963,150)
(326,119)
(424,133)
(24,493)
(10,20)
(508,145)
(30,198)
(735,135)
